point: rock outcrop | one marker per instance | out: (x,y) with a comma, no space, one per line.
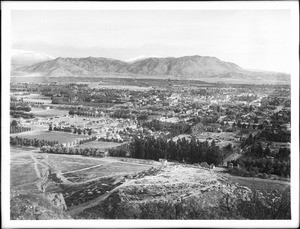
(176,192)
(31,206)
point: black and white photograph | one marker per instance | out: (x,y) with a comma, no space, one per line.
(150,114)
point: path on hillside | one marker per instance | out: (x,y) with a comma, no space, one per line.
(36,162)
(79,170)
(89,204)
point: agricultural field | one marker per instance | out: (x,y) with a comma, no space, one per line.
(100,144)
(122,87)
(39,112)
(35,98)
(61,137)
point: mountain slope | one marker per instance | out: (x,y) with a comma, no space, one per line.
(97,65)
(192,67)
(20,58)
(53,68)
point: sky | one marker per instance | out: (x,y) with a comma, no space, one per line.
(253,39)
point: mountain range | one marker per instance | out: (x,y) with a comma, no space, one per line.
(21,58)
(186,67)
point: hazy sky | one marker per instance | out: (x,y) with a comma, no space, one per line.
(253,39)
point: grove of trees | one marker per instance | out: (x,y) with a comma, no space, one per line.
(94,152)
(18,129)
(19,108)
(82,141)
(71,130)
(181,150)
(31,142)
(21,114)
(252,167)
(258,160)
(122,113)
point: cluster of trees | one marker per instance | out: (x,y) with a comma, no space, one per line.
(276,136)
(257,151)
(122,113)
(143,116)
(18,129)
(273,101)
(248,98)
(86,104)
(117,152)
(181,150)
(249,141)
(243,125)
(259,160)
(93,152)
(59,100)
(31,142)
(104,96)
(281,117)
(251,166)
(110,140)
(205,120)
(174,128)
(71,130)
(30,102)
(87,140)
(84,113)
(20,108)
(21,114)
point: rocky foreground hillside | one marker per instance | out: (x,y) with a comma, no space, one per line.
(184,192)
(35,206)
(175,191)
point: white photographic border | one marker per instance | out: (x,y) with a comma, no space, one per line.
(7,7)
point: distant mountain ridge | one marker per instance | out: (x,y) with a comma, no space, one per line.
(193,67)
(21,58)
(141,57)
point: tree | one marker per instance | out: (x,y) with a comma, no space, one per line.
(267,152)
(269,167)
(239,124)
(14,123)
(283,154)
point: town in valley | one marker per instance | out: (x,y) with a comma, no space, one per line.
(101,137)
